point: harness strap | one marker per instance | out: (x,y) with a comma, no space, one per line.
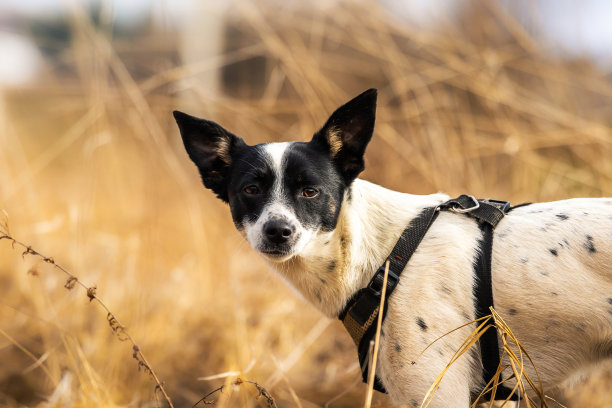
(483,295)
(488,213)
(362,308)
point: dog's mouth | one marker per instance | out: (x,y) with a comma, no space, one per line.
(278,255)
(275,252)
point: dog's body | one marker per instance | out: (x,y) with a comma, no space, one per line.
(326,232)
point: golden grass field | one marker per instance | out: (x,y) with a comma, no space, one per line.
(93,174)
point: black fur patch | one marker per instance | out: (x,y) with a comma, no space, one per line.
(553,251)
(588,244)
(421,324)
(562,217)
(445,289)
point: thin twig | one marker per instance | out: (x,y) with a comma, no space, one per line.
(262,392)
(91,291)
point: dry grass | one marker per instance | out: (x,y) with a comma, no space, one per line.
(92,173)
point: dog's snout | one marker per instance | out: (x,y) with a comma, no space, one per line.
(278,231)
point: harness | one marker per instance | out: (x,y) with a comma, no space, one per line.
(361,311)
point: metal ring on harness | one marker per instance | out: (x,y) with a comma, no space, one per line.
(460,210)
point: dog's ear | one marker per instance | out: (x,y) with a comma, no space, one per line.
(347,132)
(210,147)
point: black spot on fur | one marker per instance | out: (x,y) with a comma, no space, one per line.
(323,281)
(511,312)
(554,293)
(326,243)
(414,403)
(445,289)
(331,266)
(588,244)
(543,273)
(398,348)
(553,251)
(610,301)
(524,260)
(421,324)
(349,194)
(562,217)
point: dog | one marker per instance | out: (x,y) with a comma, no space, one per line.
(302,206)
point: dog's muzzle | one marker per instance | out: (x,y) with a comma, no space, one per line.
(278,232)
(279,237)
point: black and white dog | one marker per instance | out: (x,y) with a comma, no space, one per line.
(302,207)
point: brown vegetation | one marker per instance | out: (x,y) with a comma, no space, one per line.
(92,173)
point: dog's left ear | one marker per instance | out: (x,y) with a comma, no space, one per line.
(347,132)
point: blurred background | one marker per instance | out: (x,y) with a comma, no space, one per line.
(502,99)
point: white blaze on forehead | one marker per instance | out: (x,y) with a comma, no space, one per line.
(274,153)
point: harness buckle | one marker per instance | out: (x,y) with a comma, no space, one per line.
(502,205)
(460,210)
(376,284)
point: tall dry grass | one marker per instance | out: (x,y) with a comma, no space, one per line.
(93,174)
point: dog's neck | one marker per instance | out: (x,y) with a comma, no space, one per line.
(337,264)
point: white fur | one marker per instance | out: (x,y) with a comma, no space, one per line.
(556,304)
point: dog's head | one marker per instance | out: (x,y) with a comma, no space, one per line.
(283,196)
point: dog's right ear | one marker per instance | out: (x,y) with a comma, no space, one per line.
(210,147)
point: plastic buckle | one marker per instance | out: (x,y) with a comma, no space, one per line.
(502,205)
(466,210)
(375,284)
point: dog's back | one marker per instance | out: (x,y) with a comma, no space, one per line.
(552,282)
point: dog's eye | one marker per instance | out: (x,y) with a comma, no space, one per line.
(251,189)
(310,192)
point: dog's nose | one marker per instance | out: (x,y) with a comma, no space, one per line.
(278,231)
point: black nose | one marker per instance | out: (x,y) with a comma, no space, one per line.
(278,231)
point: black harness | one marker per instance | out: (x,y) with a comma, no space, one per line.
(360,314)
